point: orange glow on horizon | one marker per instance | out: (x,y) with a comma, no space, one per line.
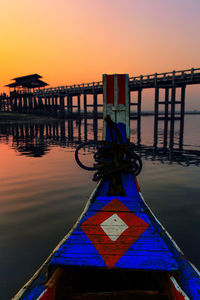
(74,42)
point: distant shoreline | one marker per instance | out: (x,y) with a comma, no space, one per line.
(8,116)
(37,117)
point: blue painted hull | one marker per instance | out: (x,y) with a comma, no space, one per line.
(162,255)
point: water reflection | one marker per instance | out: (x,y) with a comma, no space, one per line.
(42,197)
(36,139)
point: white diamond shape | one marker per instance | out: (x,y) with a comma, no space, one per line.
(114,227)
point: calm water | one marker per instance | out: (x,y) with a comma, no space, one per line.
(43,191)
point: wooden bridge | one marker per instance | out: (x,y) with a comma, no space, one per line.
(85,100)
(56,100)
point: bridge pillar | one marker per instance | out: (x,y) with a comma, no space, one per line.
(7,104)
(156,116)
(139,116)
(20,103)
(62,107)
(3,105)
(172,119)
(49,104)
(52,105)
(85,104)
(25,103)
(79,103)
(166,117)
(68,109)
(35,104)
(15,103)
(56,105)
(69,104)
(30,103)
(95,105)
(45,102)
(182,116)
(10,104)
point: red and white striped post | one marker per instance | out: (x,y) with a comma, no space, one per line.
(116,100)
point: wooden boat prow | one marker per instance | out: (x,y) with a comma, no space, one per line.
(117,249)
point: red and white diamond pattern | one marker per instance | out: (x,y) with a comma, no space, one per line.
(113,230)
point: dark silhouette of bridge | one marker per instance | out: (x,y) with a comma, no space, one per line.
(58,100)
(85,100)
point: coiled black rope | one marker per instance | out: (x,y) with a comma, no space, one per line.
(89,143)
(112,157)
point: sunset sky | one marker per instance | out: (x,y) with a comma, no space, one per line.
(77,41)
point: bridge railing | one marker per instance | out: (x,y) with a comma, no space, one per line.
(70,88)
(165,76)
(156,77)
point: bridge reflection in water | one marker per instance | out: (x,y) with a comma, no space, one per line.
(36,139)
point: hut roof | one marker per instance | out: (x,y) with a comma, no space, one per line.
(27,77)
(29,81)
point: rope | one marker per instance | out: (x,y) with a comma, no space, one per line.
(112,157)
